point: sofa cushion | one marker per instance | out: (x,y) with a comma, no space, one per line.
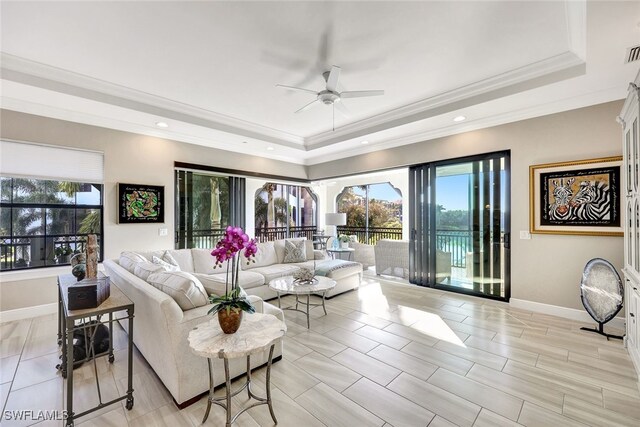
(294,251)
(271,272)
(146,268)
(128,260)
(266,255)
(185,289)
(214,283)
(310,265)
(182,257)
(204,262)
(167,266)
(338,269)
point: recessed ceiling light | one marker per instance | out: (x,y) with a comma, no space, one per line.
(162,124)
(364,142)
(270,148)
(459,118)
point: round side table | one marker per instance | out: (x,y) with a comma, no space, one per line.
(258,332)
(287,285)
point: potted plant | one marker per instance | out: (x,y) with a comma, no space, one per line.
(344,241)
(62,253)
(231,305)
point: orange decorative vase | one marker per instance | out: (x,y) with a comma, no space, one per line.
(230,320)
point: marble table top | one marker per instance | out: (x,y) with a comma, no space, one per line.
(256,334)
(286,285)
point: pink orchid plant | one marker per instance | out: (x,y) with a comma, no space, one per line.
(227,250)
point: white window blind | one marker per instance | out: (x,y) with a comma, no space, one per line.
(19,159)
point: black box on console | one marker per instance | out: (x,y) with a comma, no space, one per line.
(88,293)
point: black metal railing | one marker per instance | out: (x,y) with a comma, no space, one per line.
(457,242)
(40,251)
(205,239)
(371,235)
(267,234)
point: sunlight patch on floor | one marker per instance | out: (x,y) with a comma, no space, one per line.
(430,324)
(372,300)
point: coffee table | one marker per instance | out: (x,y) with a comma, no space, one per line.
(286,285)
(258,332)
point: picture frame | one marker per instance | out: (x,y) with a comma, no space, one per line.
(139,203)
(581,197)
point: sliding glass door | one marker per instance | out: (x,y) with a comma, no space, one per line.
(205,205)
(460,230)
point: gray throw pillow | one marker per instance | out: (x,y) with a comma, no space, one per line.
(294,251)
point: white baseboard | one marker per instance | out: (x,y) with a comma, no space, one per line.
(27,312)
(567,313)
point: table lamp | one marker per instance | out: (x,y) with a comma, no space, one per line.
(335,219)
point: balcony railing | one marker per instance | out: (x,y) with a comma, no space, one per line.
(274,233)
(371,235)
(205,239)
(39,251)
(457,242)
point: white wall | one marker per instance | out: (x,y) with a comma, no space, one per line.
(130,158)
(546,269)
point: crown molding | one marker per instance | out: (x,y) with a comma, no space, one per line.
(593,98)
(54,112)
(556,68)
(21,70)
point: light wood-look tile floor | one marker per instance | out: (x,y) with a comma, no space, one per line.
(387,354)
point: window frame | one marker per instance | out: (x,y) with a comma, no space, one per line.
(11,205)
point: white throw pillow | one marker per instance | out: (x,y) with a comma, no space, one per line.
(184,288)
(144,269)
(295,251)
(128,260)
(170,259)
(165,265)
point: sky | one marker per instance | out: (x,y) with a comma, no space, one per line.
(452,192)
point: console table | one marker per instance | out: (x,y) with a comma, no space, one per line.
(117,302)
(258,332)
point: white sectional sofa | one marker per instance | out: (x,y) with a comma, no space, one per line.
(164,319)
(161,328)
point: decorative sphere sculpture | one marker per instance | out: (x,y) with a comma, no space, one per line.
(79,271)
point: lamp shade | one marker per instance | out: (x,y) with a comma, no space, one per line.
(335,219)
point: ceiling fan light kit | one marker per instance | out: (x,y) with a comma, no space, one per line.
(330,95)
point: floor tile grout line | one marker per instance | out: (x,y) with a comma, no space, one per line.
(24,344)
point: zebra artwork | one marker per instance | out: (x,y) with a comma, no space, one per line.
(592,202)
(561,209)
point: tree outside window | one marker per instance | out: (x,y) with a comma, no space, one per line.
(374,211)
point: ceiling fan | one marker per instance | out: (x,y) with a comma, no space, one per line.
(330,95)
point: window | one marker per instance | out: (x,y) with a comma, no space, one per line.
(205,205)
(374,211)
(44,222)
(283,211)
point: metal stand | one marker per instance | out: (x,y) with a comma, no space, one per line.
(290,308)
(228,394)
(66,327)
(600,330)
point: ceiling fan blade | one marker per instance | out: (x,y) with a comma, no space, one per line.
(342,109)
(361,93)
(306,107)
(300,89)
(332,80)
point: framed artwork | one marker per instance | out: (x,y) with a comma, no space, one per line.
(579,197)
(140,203)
